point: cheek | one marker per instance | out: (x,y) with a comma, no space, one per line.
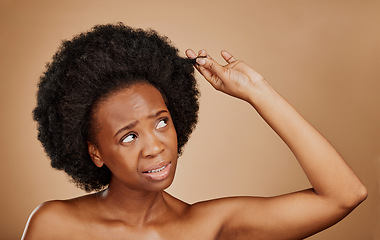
(121,159)
(173,140)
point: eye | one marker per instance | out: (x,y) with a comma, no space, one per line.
(162,123)
(129,138)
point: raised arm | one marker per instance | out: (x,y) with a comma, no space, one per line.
(336,189)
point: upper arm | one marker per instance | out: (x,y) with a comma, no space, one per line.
(291,216)
(44,222)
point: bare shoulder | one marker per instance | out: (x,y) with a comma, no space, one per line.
(50,220)
(45,220)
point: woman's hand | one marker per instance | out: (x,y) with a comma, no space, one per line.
(235,78)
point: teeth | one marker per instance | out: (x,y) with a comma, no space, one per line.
(156,170)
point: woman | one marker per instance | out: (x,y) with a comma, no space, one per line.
(116,106)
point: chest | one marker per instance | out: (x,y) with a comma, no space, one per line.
(184,229)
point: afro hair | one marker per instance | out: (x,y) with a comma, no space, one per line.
(86,70)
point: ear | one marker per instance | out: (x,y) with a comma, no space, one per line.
(94,154)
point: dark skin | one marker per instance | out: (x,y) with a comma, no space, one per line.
(137,136)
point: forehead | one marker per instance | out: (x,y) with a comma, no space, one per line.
(131,103)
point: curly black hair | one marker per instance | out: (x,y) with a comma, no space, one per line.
(86,70)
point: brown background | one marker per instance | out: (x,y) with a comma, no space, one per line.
(323,56)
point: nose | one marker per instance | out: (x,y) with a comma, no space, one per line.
(152,146)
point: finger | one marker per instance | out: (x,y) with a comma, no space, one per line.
(228,57)
(202,53)
(204,71)
(211,65)
(212,71)
(190,54)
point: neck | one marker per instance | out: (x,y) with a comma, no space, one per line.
(135,208)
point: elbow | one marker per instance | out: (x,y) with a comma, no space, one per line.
(362,194)
(355,197)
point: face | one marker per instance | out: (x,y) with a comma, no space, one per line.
(136,139)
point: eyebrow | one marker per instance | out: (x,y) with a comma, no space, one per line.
(134,123)
(156,114)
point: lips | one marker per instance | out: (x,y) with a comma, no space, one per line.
(158,172)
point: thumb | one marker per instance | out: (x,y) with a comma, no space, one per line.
(212,71)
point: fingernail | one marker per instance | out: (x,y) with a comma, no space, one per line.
(201,61)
